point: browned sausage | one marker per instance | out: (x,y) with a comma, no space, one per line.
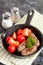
(21,46)
(37,41)
(28,51)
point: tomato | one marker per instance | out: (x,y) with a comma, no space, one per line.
(7,39)
(26,32)
(16,43)
(19,32)
(11,48)
(21,38)
(14,35)
(13,42)
(29,32)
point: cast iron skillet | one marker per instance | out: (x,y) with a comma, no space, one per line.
(16,27)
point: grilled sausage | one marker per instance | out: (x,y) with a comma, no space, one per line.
(37,41)
(21,46)
(28,51)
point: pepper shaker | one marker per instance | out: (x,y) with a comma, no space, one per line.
(15,14)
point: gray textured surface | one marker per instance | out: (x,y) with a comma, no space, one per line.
(39,59)
(24,5)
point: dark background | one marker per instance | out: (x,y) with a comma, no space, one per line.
(24,5)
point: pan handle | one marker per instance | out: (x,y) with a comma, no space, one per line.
(29,16)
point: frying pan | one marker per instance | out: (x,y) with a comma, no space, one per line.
(22,26)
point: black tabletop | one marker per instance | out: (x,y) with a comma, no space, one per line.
(39,59)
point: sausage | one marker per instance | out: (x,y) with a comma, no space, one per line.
(37,41)
(21,46)
(28,51)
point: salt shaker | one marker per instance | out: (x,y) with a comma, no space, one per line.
(15,14)
(6,20)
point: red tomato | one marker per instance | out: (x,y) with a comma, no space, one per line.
(21,38)
(16,43)
(29,32)
(14,35)
(11,49)
(13,42)
(7,39)
(19,32)
(26,32)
